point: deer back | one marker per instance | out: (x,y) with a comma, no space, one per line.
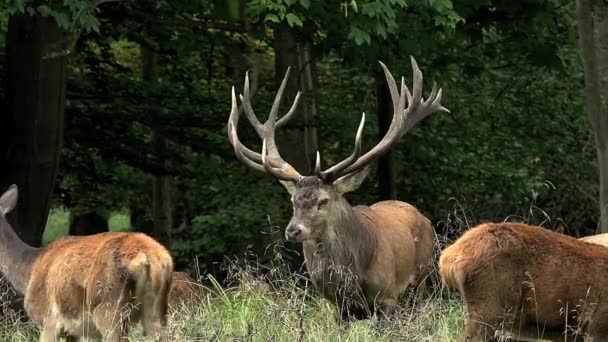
(536,273)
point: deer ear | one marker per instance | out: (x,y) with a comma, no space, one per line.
(351,181)
(290,186)
(8,201)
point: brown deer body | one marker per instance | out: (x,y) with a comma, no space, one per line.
(529,282)
(361,257)
(90,286)
(368,256)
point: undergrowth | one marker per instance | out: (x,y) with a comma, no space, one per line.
(283,310)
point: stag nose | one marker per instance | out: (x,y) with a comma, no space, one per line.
(292,233)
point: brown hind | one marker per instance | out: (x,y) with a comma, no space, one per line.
(528,281)
(91,286)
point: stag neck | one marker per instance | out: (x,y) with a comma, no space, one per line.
(347,238)
(16,257)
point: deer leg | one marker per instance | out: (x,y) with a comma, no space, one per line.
(386,308)
(49,332)
(110,321)
(154,312)
(483,320)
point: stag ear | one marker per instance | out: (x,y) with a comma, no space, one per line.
(8,201)
(290,186)
(351,181)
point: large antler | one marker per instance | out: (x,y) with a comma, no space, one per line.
(403,119)
(269,160)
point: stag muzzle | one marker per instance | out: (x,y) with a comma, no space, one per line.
(296,233)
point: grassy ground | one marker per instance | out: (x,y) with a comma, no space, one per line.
(256,311)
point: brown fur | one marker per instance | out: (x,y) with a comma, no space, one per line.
(91,286)
(386,247)
(523,279)
(184,291)
(98,278)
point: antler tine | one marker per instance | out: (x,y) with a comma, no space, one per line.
(403,118)
(241,150)
(246,101)
(392,86)
(416,86)
(282,121)
(269,160)
(274,110)
(333,172)
(286,175)
(318,165)
(423,108)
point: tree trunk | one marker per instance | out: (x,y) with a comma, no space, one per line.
(33,119)
(309,105)
(163,216)
(597,116)
(288,53)
(386,173)
(88,224)
(161,185)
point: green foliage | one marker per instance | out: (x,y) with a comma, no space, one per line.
(71,15)
(58,224)
(278,11)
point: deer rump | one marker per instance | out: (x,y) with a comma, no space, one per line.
(527,281)
(393,250)
(93,285)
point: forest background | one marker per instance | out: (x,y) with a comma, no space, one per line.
(117,110)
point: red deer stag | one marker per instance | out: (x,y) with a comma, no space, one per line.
(528,282)
(360,257)
(90,286)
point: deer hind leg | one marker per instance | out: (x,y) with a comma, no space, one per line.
(486,320)
(112,319)
(386,308)
(50,331)
(155,305)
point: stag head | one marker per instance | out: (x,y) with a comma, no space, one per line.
(318,199)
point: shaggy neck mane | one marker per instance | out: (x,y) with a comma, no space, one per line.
(16,257)
(348,239)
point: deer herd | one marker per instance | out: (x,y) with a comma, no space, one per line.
(517,281)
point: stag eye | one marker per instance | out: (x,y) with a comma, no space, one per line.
(322,203)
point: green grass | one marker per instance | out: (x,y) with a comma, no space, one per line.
(58,224)
(256,311)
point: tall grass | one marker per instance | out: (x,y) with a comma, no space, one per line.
(284,310)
